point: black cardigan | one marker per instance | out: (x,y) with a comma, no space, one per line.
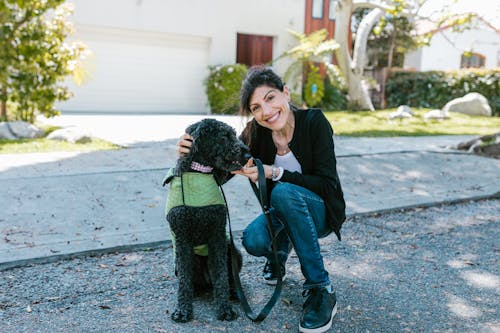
(312,144)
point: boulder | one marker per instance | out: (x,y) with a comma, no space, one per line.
(436,114)
(19,130)
(70,134)
(6,131)
(403,111)
(473,104)
(486,145)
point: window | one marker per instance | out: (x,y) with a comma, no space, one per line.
(472,60)
(317,9)
(332,11)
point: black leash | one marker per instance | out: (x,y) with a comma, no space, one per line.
(261,193)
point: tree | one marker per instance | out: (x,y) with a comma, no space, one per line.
(389,40)
(311,51)
(352,66)
(34,57)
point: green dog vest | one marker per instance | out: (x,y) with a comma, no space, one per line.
(200,189)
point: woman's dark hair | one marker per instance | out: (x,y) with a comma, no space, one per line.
(257,76)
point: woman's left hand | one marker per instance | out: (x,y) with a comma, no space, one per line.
(250,171)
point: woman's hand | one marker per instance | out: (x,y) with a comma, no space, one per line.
(184,144)
(250,171)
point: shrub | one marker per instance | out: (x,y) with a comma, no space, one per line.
(314,87)
(334,97)
(223,88)
(296,99)
(433,89)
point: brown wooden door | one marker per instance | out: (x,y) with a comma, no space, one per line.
(314,22)
(254,49)
(319,15)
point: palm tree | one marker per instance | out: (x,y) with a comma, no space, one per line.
(311,51)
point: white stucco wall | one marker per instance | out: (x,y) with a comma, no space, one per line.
(219,20)
(446,48)
(153,55)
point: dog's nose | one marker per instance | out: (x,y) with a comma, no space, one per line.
(247,156)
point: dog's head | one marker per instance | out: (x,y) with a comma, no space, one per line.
(215,144)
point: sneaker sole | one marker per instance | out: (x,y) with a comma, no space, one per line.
(322,328)
(274,282)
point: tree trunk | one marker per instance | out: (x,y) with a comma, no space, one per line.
(359,53)
(366,25)
(358,96)
(390,55)
(3,104)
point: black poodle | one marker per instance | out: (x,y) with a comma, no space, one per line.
(196,213)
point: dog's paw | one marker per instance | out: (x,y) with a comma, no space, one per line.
(182,316)
(227,313)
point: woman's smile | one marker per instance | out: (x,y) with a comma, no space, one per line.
(274,117)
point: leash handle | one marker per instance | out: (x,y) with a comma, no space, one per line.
(261,193)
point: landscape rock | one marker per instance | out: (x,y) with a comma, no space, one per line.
(6,131)
(70,134)
(436,114)
(473,104)
(19,130)
(403,111)
(486,145)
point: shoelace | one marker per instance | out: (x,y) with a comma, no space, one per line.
(268,267)
(314,297)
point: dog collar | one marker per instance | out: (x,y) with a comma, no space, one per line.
(201,168)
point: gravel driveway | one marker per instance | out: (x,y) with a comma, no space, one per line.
(419,270)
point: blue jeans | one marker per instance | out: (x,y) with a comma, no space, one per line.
(298,216)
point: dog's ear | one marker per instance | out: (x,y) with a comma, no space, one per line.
(191,129)
(184,162)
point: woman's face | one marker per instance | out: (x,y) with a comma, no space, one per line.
(270,107)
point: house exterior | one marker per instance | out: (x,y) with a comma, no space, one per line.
(152,56)
(449,50)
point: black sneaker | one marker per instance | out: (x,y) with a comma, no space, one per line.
(318,311)
(270,275)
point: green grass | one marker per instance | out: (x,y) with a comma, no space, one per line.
(348,123)
(44,145)
(41,145)
(377,124)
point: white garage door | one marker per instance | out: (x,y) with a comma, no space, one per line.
(148,72)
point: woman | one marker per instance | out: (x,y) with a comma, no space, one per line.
(297,150)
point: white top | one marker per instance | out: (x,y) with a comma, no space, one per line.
(287,162)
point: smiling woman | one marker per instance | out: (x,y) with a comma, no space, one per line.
(297,151)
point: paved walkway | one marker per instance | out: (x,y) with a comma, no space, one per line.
(61,204)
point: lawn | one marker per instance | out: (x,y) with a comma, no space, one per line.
(44,145)
(348,123)
(41,145)
(377,124)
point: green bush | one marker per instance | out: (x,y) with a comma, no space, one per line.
(223,88)
(334,97)
(434,89)
(297,100)
(314,87)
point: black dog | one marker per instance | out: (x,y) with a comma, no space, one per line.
(196,213)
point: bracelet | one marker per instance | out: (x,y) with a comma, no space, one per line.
(276,173)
